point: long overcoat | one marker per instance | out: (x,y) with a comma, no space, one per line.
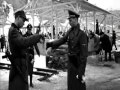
(18,77)
(77,54)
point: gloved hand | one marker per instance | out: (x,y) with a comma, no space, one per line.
(32,62)
(48,44)
(31,56)
(80,78)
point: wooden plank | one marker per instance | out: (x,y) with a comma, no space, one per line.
(1,67)
(5,64)
(45,77)
(47,70)
(38,69)
(40,73)
(35,72)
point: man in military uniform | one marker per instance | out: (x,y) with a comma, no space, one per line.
(18,78)
(114,39)
(30,51)
(77,52)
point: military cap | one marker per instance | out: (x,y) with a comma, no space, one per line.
(72,14)
(21,13)
(101,33)
(29,26)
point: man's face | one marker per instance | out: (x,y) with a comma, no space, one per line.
(21,21)
(29,30)
(73,22)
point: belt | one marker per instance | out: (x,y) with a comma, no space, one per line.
(73,53)
(19,56)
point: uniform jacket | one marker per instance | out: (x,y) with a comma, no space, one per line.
(18,45)
(113,38)
(30,51)
(78,45)
(32,47)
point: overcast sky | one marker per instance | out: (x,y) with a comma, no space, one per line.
(107,4)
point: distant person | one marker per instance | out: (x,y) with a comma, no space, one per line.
(110,37)
(60,34)
(90,43)
(108,33)
(96,39)
(30,51)
(106,45)
(97,27)
(114,39)
(2,42)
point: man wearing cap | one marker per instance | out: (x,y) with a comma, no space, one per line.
(77,52)
(18,78)
(30,51)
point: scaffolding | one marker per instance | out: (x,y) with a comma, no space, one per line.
(55,11)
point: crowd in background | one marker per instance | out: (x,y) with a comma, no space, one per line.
(102,42)
(96,41)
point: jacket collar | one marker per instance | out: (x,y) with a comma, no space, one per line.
(76,27)
(13,25)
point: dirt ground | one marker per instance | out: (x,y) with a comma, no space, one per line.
(99,76)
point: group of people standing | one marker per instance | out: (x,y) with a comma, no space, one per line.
(21,48)
(22,52)
(102,41)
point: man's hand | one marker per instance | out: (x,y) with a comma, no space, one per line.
(39,54)
(42,38)
(32,61)
(48,44)
(48,51)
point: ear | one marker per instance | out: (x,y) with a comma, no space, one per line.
(77,19)
(17,18)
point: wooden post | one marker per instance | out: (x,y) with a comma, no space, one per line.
(52,19)
(105,24)
(112,23)
(3,25)
(56,30)
(33,21)
(94,20)
(86,22)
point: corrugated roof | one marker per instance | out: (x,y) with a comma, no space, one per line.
(90,7)
(52,9)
